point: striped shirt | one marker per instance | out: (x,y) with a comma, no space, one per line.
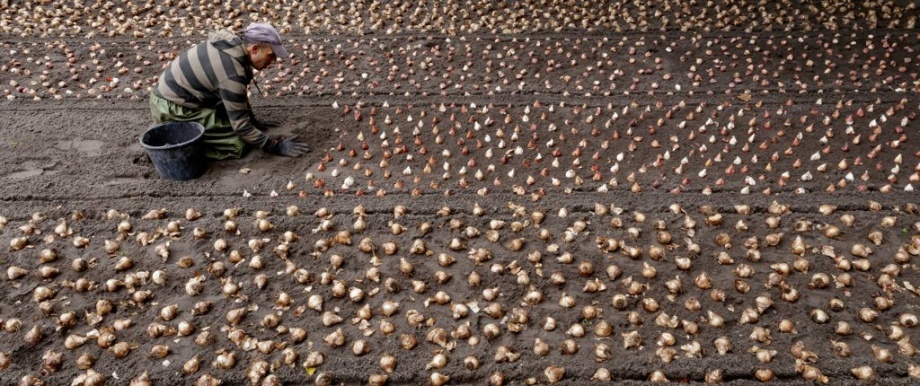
(217,70)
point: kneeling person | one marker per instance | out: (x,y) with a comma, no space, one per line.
(208,83)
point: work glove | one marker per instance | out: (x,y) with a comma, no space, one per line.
(286,147)
(264,124)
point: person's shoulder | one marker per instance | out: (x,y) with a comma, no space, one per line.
(223,39)
(229,44)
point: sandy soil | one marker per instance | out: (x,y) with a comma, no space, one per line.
(509,173)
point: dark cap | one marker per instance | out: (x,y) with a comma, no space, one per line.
(265,33)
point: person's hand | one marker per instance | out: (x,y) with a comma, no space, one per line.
(264,124)
(286,147)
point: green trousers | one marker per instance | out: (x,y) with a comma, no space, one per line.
(220,141)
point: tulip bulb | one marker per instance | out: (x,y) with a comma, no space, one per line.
(875,237)
(864,373)
(377,379)
(471,363)
(554,374)
(438,379)
(437,362)
(882,354)
(658,376)
(388,363)
(912,370)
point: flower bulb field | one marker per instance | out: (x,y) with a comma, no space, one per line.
(496,193)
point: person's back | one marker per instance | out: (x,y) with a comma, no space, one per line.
(199,76)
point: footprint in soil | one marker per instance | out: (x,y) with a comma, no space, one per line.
(24,174)
(88,147)
(31,169)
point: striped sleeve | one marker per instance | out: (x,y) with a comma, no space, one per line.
(233,93)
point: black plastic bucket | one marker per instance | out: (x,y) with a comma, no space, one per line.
(175,148)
